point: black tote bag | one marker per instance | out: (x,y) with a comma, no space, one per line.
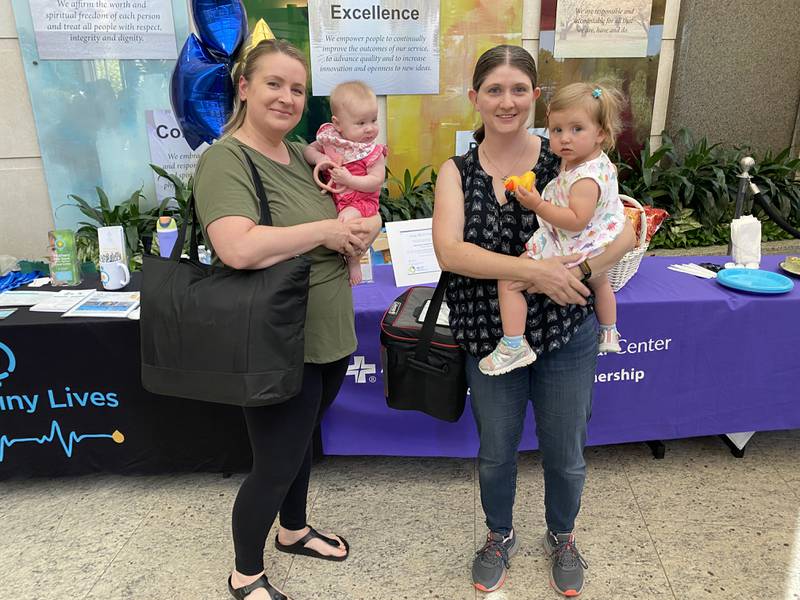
(219,334)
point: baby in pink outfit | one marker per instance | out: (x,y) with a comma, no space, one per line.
(347,161)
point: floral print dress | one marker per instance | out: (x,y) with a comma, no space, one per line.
(606,224)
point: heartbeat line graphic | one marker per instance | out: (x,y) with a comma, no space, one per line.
(55,432)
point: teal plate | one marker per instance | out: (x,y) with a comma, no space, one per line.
(755,281)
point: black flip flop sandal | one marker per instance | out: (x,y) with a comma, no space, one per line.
(262,582)
(299,547)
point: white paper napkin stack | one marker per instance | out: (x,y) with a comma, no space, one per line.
(746,240)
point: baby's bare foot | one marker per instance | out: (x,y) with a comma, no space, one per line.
(354,267)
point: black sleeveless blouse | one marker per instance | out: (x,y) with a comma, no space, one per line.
(474,308)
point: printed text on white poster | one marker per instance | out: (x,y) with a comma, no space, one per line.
(602,28)
(95,29)
(392,45)
(169,150)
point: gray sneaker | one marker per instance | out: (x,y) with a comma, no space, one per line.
(491,562)
(566,569)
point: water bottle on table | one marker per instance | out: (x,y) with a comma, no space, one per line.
(167,232)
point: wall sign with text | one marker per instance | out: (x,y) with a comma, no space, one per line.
(88,29)
(169,150)
(391,45)
(602,28)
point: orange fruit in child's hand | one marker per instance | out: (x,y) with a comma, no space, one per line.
(526,180)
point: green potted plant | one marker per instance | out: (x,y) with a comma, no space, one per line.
(138,225)
(697,183)
(175,205)
(414,199)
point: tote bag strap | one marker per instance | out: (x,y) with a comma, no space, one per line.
(428,326)
(266,216)
(191,214)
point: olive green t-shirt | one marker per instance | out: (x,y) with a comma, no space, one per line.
(223,187)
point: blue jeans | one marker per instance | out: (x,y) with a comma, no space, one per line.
(560,385)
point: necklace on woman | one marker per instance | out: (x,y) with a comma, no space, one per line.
(499,170)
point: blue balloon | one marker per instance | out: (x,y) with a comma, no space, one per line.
(201,93)
(221,24)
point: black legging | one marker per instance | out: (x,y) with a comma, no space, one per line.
(280,437)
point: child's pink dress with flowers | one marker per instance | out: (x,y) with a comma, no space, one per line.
(357,158)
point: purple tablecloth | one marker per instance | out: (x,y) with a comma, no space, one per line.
(698,359)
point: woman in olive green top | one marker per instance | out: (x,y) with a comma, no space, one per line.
(271,99)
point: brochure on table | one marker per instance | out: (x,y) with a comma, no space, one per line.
(62,301)
(105,304)
(413,259)
(22,298)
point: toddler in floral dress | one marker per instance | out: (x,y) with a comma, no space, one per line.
(347,161)
(579,213)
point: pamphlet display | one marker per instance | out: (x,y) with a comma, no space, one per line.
(111,240)
(114,272)
(63,258)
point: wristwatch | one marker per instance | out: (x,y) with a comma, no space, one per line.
(586,270)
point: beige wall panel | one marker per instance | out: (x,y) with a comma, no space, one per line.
(655,142)
(25,214)
(671,16)
(736,76)
(661,100)
(8,27)
(531,19)
(16,116)
(381,139)
(532,46)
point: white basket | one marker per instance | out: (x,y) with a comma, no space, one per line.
(620,273)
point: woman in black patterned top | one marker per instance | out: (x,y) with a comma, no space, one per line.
(479,234)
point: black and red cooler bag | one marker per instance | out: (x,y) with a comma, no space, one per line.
(423,366)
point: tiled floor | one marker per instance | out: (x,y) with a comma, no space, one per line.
(698,524)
